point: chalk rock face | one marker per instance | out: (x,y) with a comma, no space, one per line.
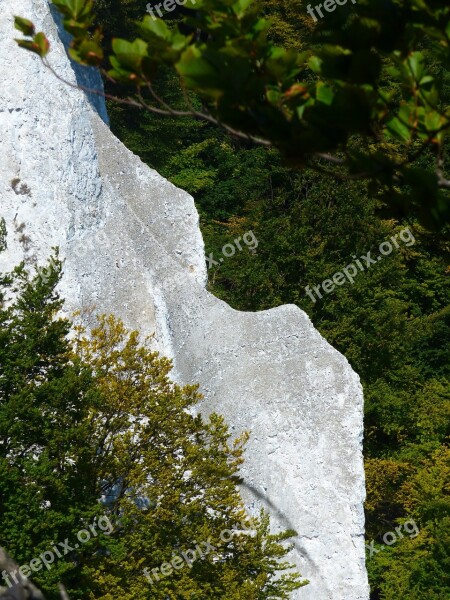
(132,246)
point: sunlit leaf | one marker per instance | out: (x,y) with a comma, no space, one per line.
(24,25)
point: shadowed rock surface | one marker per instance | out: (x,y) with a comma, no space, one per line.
(24,590)
(132,246)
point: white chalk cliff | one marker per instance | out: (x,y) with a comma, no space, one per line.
(132,246)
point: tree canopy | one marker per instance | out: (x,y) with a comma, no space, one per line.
(363,98)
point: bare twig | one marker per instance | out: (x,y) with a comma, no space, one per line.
(168,112)
(128,101)
(205,117)
(337,174)
(330,158)
(63,592)
(443,182)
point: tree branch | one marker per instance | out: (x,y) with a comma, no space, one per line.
(330,158)
(128,101)
(168,112)
(443,183)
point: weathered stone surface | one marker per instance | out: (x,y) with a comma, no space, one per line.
(132,246)
(15,587)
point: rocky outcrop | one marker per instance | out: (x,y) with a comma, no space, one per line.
(132,246)
(17,587)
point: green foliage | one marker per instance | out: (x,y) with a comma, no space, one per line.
(290,25)
(419,566)
(25,26)
(362,86)
(45,485)
(37,43)
(93,426)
